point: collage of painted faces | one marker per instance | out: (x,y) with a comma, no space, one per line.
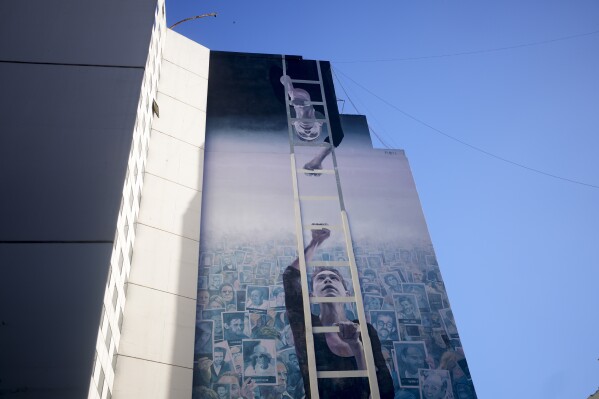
(244,345)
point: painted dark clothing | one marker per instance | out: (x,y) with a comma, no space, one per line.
(326,360)
(214,376)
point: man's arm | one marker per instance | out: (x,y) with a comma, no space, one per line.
(349,332)
(318,237)
(293,287)
(294,302)
(247,389)
(286,81)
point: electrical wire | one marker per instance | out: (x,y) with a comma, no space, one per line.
(473,147)
(356,108)
(370,115)
(482,51)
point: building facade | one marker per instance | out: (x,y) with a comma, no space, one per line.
(79,82)
(309,234)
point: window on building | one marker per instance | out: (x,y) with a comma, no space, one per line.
(109,279)
(120,317)
(130,253)
(101,382)
(121,261)
(103,318)
(108,340)
(126,228)
(95,363)
(115,297)
(114,359)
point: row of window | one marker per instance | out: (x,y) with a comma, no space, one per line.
(116,287)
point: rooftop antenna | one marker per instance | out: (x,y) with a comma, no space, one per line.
(211,14)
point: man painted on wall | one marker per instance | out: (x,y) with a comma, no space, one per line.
(411,356)
(246,391)
(334,351)
(219,366)
(257,298)
(385,324)
(234,326)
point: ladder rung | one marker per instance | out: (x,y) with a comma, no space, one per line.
(342,374)
(316,82)
(318,198)
(332,299)
(326,329)
(329,264)
(311,144)
(317,171)
(322,226)
(306,103)
(308,120)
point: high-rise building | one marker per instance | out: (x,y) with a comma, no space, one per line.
(79,80)
(206,224)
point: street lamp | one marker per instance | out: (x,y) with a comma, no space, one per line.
(212,14)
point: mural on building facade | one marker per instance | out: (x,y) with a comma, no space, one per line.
(250,336)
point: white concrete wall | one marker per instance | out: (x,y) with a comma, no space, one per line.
(155,353)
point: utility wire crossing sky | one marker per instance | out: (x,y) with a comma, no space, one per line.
(490,154)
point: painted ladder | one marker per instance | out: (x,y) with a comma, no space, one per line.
(370,372)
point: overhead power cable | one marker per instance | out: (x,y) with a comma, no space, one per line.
(356,108)
(370,115)
(473,147)
(480,51)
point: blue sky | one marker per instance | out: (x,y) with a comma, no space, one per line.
(517,249)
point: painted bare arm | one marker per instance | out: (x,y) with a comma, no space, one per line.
(318,237)
(349,333)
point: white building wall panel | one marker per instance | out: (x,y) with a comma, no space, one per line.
(175,160)
(187,54)
(165,262)
(159,327)
(182,121)
(186,87)
(167,205)
(147,380)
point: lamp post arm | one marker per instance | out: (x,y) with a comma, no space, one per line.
(211,14)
